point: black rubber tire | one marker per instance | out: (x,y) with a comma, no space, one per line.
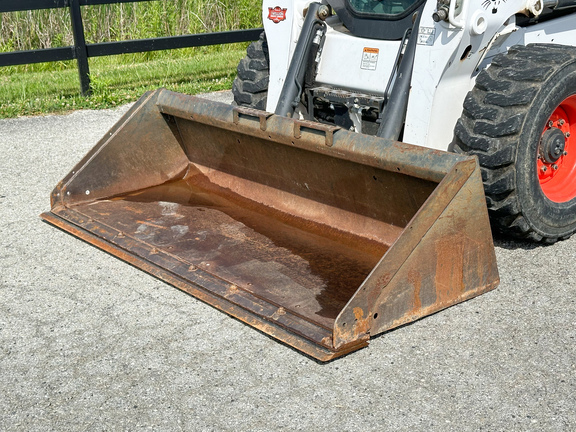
(502,123)
(250,87)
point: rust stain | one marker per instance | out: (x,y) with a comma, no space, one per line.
(232,290)
(384,280)
(151,224)
(327,341)
(415,278)
(362,325)
(358,313)
(467,295)
(449,272)
(360,330)
(281,311)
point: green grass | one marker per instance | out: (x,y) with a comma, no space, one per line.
(46,28)
(54,87)
(116,81)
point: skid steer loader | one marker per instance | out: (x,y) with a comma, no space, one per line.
(299,212)
(491,78)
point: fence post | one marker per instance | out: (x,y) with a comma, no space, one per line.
(80,47)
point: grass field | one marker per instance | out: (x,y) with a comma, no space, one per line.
(105,23)
(42,92)
(54,87)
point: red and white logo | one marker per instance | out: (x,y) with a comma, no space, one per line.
(276,14)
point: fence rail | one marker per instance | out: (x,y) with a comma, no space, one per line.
(81,51)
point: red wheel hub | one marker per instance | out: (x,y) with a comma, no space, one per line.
(556,163)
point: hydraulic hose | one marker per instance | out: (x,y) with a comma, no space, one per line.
(294,82)
(559,4)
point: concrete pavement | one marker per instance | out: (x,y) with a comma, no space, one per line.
(90,343)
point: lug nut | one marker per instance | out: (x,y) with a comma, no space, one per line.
(567,134)
(554,167)
(565,153)
(550,123)
(561,122)
(544,169)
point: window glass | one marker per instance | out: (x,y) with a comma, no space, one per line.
(381,7)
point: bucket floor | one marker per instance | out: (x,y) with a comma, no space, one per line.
(302,271)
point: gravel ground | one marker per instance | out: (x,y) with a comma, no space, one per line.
(90,343)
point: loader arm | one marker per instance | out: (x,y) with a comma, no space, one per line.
(448,56)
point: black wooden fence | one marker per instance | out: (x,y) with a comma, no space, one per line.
(81,51)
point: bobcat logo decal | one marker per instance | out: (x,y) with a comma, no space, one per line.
(276,14)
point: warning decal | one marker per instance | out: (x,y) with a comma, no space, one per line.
(369,58)
(426,35)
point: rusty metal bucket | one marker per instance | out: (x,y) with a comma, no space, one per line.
(317,236)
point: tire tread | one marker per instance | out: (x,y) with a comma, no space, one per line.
(493,117)
(250,87)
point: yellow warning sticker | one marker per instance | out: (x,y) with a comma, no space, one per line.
(369,58)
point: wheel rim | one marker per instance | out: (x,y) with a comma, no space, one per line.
(557,174)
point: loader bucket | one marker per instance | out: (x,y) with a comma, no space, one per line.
(317,236)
